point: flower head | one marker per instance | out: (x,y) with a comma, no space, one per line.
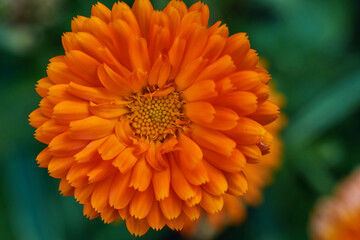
(152,116)
(338,216)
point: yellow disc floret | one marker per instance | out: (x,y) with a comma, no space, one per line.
(156,117)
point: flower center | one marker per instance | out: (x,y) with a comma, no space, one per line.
(154,118)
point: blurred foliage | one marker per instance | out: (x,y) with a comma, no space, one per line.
(313,51)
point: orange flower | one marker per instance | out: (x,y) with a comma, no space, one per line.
(338,217)
(258,176)
(151,116)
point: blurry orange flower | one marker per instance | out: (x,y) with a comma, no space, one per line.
(338,217)
(258,176)
(151,116)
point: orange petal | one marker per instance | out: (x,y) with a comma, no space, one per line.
(65,188)
(197,37)
(199,91)
(212,139)
(77,24)
(197,175)
(235,163)
(71,110)
(124,133)
(83,66)
(224,86)
(155,217)
(245,80)
(50,129)
(109,215)
(36,118)
(249,62)
(122,35)
(219,29)
(46,107)
(64,146)
(154,158)
(199,112)
(143,10)
(196,199)
(113,81)
(178,5)
(217,184)
(125,160)
(42,86)
(97,95)
(191,150)
(161,184)
(212,204)
(189,73)
(203,9)
(110,148)
(247,132)
(237,46)
(101,11)
(90,152)
(120,193)
(89,45)
(171,206)
(77,175)
(160,71)
(262,92)
(138,227)
(159,35)
(108,110)
(141,203)
(139,54)
(89,211)
(218,70)
(59,73)
(238,184)
(181,186)
(242,102)
(92,128)
(251,152)
(141,175)
(178,223)
(83,193)
(138,80)
(176,54)
(100,196)
(43,158)
(59,93)
(192,212)
(214,47)
(103,170)
(122,11)
(225,119)
(266,113)
(58,167)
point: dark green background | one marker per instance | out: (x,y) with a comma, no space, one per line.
(313,50)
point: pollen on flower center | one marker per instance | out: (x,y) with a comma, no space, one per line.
(155,118)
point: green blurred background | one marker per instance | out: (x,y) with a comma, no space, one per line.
(312,47)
